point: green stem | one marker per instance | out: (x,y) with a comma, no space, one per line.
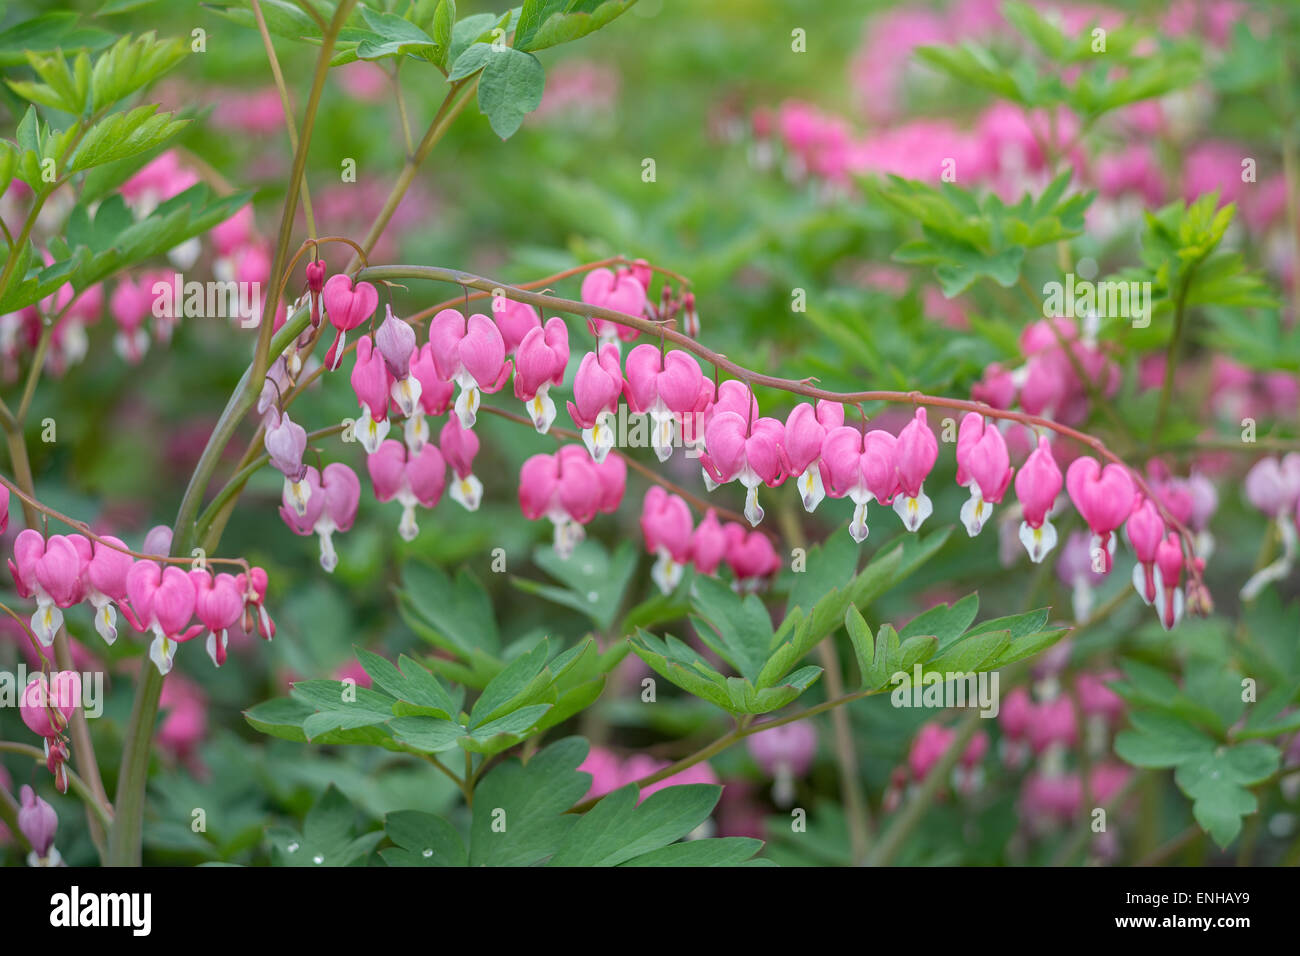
(78,786)
(126,838)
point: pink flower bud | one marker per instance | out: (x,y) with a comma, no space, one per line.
(158,541)
(38,823)
(395,340)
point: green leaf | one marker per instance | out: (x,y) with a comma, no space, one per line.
(722,851)
(678,663)
(459,614)
(426,734)
(45,34)
(546,23)
(326,838)
(509,89)
(519,816)
(422,840)
(120,135)
(393,36)
(616,829)
(742,626)
(411,683)
(513,687)
(944,622)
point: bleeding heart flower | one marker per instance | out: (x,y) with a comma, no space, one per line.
(435,398)
(914,455)
(161,601)
(459,446)
(218,604)
(805,432)
(985,464)
(515,320)
(749,451)
(105,578)
(540,360)
(596,389)
(347,306)
(1169,569)
(51,572)
(861,467)
(662,386)
(708,544)
(1104,497)
(1038,483)
(38,822)
(395,341)
(1146,530)
(751,556)
(285,443)
(413,480)
(667,527)
(620,292)
(47,704)
(372,382)
(470,353)
(565,488)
